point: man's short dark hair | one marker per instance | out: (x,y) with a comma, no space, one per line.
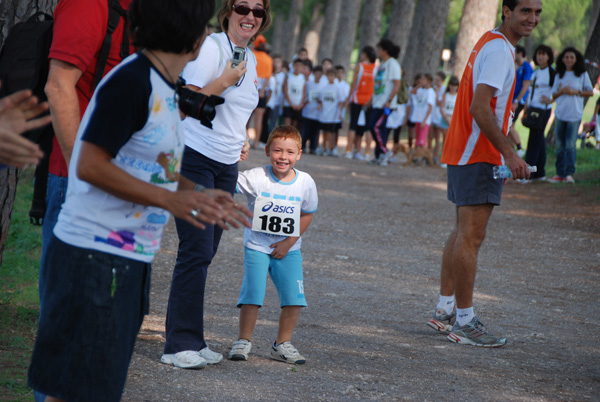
(511,4)
(172,26)
(521,49)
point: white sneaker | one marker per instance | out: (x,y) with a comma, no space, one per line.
(210,356)
(188,359)
(319,151)
(443,166)
(240,350)
(359,157)
(287,353)
(348,155)
(334,152)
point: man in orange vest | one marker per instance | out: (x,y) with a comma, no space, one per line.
(476,142)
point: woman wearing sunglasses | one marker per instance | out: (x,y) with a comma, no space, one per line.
(211,159)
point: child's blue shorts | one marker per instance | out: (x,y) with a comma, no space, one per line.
(286,275)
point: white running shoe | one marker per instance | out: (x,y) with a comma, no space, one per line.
(210,356)
(287,353)
(348,155)
(333,152)
(188,359)
(359,157)
(240,350)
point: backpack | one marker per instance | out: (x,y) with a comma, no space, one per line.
(403,95)
(24,64)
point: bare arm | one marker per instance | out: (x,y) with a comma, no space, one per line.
(486,120)
(230,76)
(95,167)
(281,248)
(523,91)
(64,104)
(395,90)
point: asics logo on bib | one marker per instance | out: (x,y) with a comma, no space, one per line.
(281,209)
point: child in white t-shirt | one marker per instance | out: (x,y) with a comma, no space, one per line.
(294,95)
(284,201)
(332,99)
(423,105)
(410,108)
(311,112)
(340,73)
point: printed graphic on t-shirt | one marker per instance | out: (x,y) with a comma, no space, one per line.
(379,83)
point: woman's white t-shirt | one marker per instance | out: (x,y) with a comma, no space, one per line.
(385,74)
(223,143)
(569,107)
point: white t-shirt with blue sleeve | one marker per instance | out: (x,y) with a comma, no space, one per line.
(261,181)
(133,115)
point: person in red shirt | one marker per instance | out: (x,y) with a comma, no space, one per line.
(79,31)
(476,141)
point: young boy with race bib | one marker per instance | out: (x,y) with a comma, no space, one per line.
(283,200)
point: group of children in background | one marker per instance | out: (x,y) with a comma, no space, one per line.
(314,99)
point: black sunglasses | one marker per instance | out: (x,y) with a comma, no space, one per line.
(243,10)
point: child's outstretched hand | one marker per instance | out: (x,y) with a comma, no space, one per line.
(281,248)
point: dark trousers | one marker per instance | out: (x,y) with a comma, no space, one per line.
(185,312)
(310,132)
(377,125)
(536,150)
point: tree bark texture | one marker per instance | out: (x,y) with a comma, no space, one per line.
(329,31)
(426,37)
(311,40)
(346,33)
(11,12)
(278,36)
(401,23)
(479,16)
(292,30)
(370,24)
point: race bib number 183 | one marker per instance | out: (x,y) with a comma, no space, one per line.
(277,217)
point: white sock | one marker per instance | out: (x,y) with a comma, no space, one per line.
(464,315)
(446,303)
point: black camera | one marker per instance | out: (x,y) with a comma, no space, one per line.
(197,105)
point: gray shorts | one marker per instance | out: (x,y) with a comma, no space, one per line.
(473,185)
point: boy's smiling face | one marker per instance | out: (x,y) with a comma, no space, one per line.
(283,154)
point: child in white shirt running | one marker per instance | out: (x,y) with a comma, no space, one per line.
(283,200)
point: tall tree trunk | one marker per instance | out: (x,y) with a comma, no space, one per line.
(426,37)
(292,30)
(277,38)
(311,40)
(479,16)
(346,34)
(370,24)
(593,18)
(329,32)
(401,23)
(11,12)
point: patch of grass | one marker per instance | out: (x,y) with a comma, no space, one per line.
(19,301)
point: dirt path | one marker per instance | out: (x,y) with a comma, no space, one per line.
(371,261)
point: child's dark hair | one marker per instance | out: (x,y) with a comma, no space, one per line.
(578,68)
(417,77)
(307,63)
(391,49)
(452,81)
(522,50)
(442,75)
(340,67)
(285,132)
(369,51)
(428,76)
(326,59)
(544,49)
(172,26)
(317,68)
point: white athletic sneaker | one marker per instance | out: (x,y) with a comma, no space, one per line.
(188,359)
(348,155)
(359,157)
(287,353)
(333,152)
(210,356)
(240,350)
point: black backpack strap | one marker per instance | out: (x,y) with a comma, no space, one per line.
(115,13)
(38,203)
(552,73)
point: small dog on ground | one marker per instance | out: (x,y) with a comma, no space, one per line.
(414,156)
